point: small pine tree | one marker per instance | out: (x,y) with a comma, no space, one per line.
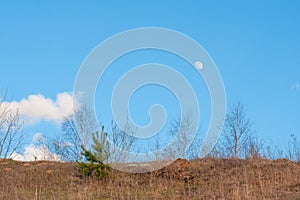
(100,153)
(93,167)
(100,145)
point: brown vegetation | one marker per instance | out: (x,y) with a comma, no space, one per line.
(207,178)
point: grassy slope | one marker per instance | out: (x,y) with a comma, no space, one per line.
(201,179)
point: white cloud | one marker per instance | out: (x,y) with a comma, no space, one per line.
(38,107)
(34,153)
(17,156)
(296,86)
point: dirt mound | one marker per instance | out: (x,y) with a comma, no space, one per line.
(181,163)
(180,169)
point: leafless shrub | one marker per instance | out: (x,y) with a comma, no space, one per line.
(293,149)
(254,148)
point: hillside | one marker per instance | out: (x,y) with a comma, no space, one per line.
(200,179)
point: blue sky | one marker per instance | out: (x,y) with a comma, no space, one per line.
(255,45)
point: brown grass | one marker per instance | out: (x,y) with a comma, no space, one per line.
(200,179)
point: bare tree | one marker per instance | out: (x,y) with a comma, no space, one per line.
(183,130)
(77,132)
(122,142)
(236,132)
(11,130)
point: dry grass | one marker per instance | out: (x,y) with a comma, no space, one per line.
(200,179)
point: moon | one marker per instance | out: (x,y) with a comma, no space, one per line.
(198,65)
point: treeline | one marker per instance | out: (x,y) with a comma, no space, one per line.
(80,131)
